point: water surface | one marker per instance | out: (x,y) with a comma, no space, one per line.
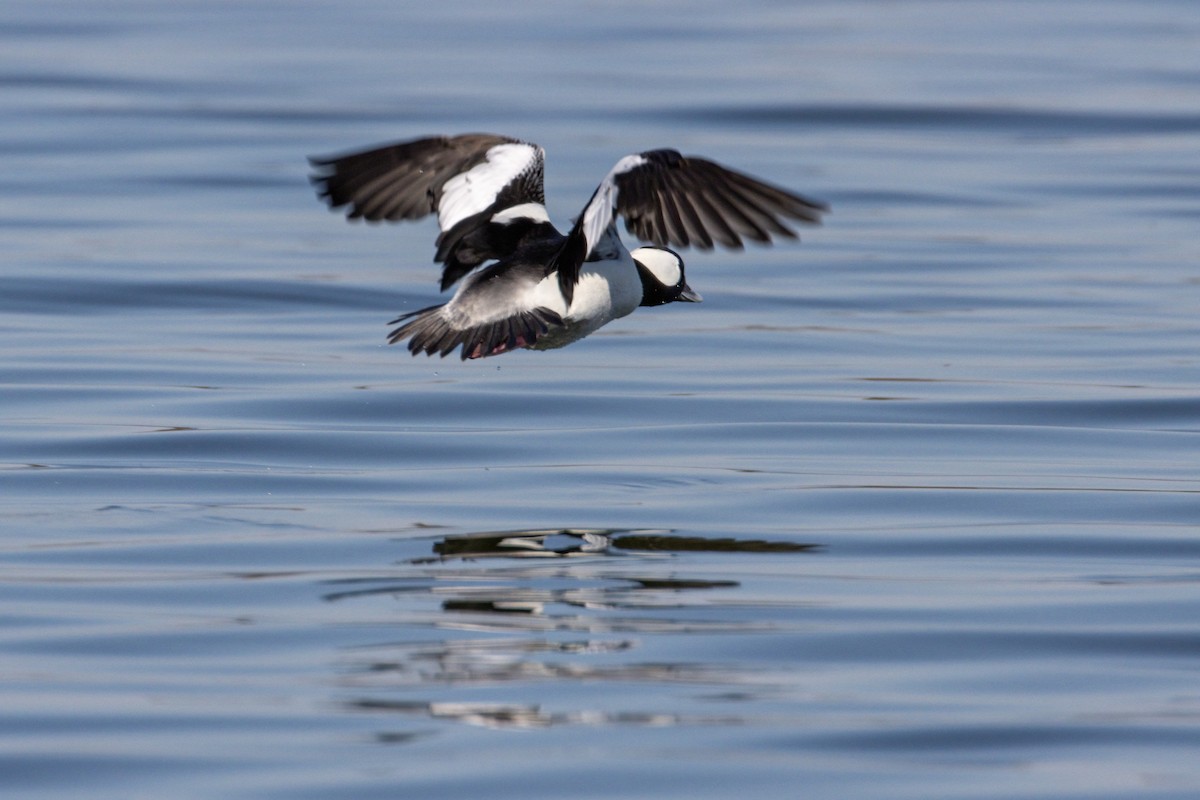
(907,510)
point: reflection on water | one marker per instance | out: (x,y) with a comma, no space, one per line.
(572,542)
(500,716)
(610,599)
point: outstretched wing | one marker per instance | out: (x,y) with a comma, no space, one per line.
(670,199)
(486,190)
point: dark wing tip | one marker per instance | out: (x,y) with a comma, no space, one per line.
(396,181)
(689,201)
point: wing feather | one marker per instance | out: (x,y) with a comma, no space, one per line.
(670,199)
(487,191)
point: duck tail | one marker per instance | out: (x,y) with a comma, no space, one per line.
(429,332)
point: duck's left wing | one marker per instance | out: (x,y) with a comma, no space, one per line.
(486,190)
(670,199)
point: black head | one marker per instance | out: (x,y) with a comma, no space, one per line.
(663,282)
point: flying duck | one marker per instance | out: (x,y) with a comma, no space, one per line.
(523,283)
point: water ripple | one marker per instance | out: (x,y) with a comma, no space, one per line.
(1040,122)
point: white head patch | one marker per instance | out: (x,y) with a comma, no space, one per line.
(664,265)
(473,191)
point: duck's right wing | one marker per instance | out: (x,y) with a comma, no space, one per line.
(670,199)
(487,191)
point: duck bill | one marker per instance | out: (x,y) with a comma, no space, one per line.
(690,295)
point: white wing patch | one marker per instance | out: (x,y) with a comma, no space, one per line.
(533,211)
(473,191)
(599,212)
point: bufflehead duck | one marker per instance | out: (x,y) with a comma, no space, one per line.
(542,289)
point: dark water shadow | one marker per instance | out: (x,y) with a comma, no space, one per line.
(588,541)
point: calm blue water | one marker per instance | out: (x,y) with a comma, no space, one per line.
(909,510)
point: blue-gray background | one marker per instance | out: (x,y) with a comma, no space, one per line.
(227,507)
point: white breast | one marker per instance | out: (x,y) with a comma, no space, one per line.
(607,290)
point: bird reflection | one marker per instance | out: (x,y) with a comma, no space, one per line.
(518,717)
(557,605)
(565,542)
